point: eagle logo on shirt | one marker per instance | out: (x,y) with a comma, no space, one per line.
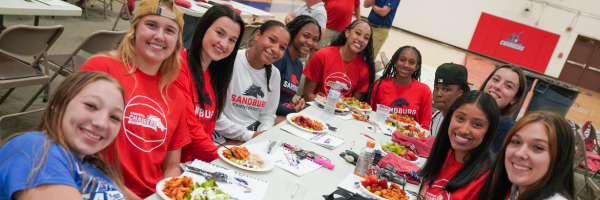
(206,99)
(400,102)
(254,91)
(295,80)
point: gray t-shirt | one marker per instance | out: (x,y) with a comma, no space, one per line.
(316,11)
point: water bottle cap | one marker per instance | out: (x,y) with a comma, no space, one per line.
(371,143)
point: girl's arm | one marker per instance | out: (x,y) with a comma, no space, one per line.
(229,129)
(357,95)
(49,192)
(425,111)
(309,90)
(267,114)
(170,165)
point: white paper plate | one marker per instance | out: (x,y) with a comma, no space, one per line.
(161,185)
(417,125)
(268,163)
(230,189)
(336,109)
(289,118)
(368,193)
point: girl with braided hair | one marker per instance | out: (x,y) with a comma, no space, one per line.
(253,93)
(349,60)
(305,33)
(400,88)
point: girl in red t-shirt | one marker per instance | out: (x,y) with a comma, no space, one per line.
(536,161)
(349,60)
(461,157)
(153,128)
(400,89)
(206,70)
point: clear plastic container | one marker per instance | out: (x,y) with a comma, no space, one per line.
(382,113)
(367,154)
(333,96)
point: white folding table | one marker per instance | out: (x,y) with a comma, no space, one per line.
(36,8)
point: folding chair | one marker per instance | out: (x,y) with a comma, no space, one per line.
(66,64)
(123,9)
(581,171)
(248,33)
(25,41)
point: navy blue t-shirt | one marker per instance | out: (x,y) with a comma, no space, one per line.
(504,126)
(291,72)
(387,20)
(22,153)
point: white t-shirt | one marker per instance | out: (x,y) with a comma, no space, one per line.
(557,196)
(316,11)
(436,122)
(248,100)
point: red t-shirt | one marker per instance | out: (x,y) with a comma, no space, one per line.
(449,169)
(150,126)
(200,122)
(327,66)
(339,13)
(413,100)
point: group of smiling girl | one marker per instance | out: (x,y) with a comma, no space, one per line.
(130,116)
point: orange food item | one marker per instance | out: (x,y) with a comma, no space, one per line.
(402,118)
(176,188)
(240,152)
(394,193)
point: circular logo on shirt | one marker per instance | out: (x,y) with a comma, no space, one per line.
(145,123)
(338,76)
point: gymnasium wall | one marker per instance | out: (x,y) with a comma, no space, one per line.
(455,22)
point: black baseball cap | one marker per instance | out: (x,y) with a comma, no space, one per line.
(451,74)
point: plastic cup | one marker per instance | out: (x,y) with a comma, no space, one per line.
(294,190)
(382,112)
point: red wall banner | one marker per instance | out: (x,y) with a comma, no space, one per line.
(513,42)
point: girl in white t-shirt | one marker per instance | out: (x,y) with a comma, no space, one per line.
(253,94)
(536,161)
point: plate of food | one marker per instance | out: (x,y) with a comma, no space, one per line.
(405,122)
(186,188)
(307,123)
(400,150)
(371,187)
(322,99)
(247,159)
(353,102)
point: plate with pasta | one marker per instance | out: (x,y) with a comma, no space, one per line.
(246,159)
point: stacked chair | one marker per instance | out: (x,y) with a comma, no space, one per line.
(587,180)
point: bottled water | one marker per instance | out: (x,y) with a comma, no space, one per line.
(367,154)
(333,96)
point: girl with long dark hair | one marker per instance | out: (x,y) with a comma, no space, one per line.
(507,85)
(63,157)
(536,161)
(206,70)
(304,36)
(348,59)
(460,157)
(400,89)
(253,93)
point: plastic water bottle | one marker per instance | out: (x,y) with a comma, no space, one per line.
(333,96)
(367,154)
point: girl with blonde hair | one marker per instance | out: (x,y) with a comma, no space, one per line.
(63,157)
(154,127)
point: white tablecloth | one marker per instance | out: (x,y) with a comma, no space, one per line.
(321,181)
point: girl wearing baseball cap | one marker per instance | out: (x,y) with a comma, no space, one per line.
(206,71)
(400,89)
(153,128)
